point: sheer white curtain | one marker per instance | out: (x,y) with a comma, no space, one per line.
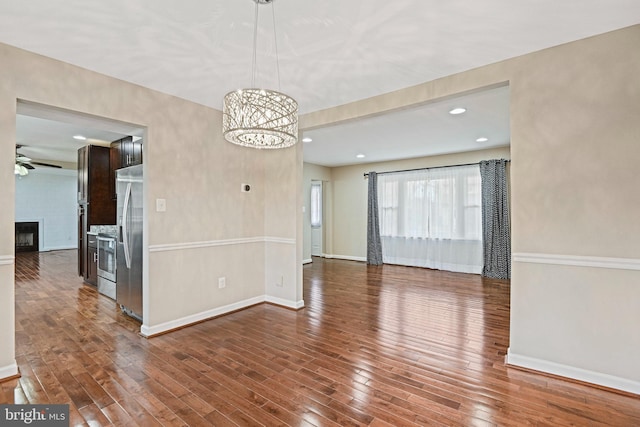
(316,204)
(432,218)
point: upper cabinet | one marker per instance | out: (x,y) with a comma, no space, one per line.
(93,183)
(124,153)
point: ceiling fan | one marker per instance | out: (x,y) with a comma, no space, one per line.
(24,164)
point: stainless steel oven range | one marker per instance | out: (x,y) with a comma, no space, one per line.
(107,265)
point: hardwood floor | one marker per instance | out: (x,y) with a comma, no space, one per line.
(376,346)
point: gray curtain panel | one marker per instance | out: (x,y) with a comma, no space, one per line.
(496,235)
(374,245)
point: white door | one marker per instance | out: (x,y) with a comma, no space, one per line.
(316,218)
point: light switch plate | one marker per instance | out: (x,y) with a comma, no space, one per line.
(161,205)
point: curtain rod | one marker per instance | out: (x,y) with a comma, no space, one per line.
(366,175)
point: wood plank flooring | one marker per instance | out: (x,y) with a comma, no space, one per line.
(375,346)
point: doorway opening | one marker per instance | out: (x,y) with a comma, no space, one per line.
(316,218)
(55,197)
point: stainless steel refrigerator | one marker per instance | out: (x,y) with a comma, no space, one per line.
(129,247)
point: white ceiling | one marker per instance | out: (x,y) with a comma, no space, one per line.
(330,52)
(53,140)
(421,131)
(47,134)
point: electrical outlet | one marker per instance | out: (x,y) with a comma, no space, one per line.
(222,282)
(280,283)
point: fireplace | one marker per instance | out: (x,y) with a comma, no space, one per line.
(27,237)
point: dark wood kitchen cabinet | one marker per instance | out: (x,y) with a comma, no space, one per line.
(124,153)
(82,237)
(114,161)
(95,204)
(91,276)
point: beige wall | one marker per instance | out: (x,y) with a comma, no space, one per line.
(283,274)
(575,146)
(210,228)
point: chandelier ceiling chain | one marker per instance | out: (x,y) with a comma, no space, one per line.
(255,44)
(260,118)
(275,42)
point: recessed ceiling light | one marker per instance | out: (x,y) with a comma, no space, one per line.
(80,137)
(360,156)
(458,110)
(482,139)
(306,139)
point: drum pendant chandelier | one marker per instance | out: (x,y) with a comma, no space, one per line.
(260,118)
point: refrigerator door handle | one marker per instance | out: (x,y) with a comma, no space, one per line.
(125,219)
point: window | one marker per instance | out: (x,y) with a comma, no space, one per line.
(316,204)
(439,203)
(432,218)
(388,207)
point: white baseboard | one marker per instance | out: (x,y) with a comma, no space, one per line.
(149,331)
(285,303)
(579,374)
(346,257)
(9,371)
(58,248)
(307,261)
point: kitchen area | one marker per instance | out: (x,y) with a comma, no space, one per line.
(110,218)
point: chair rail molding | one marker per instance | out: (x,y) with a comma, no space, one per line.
(578,260)
(7,259)
(224,242)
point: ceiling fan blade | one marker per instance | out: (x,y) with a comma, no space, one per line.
(25,161)
(46,164)
(26,165)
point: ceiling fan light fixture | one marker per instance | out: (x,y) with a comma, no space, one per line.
(260,118)
(20,170)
